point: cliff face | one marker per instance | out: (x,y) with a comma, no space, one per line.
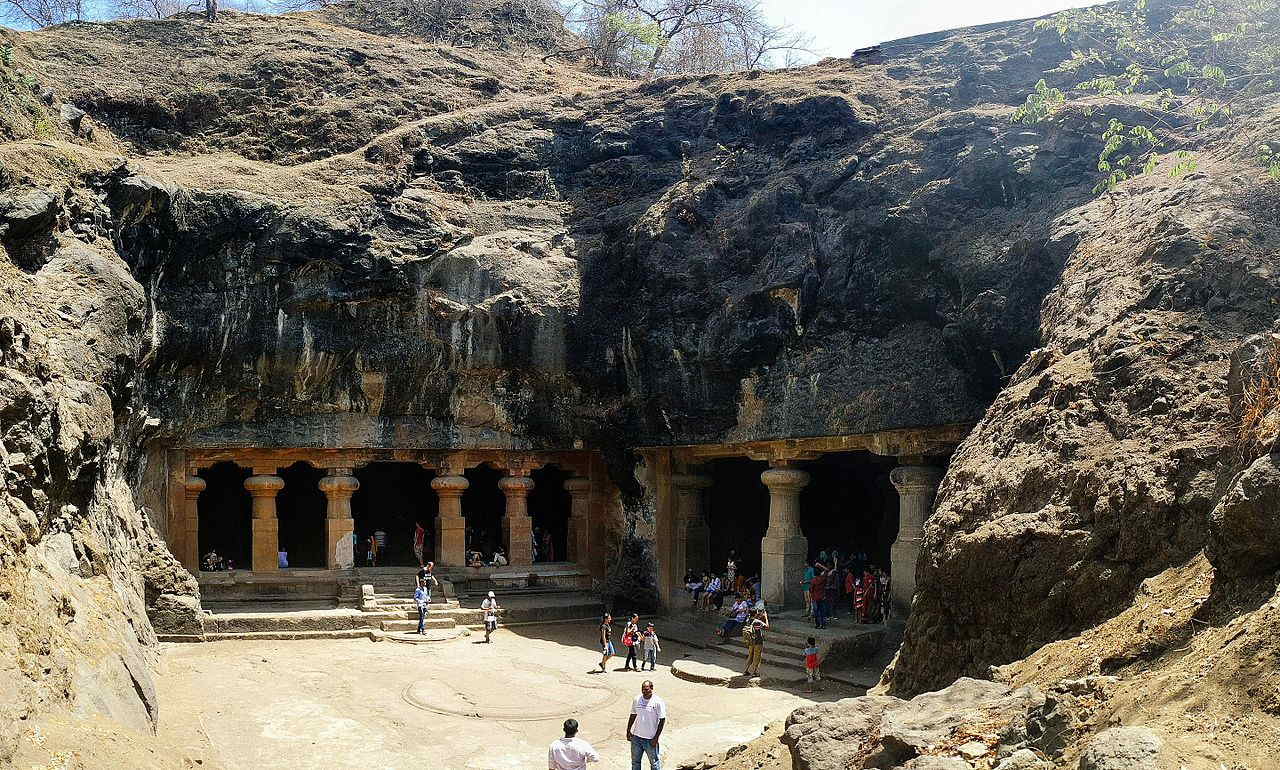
(533,256)
(298,233)
(80,565)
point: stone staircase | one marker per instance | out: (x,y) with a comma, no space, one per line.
(843,650)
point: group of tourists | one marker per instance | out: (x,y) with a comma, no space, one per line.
(645,724)
(832,582)
(636,640)
(212,562)
(710,589)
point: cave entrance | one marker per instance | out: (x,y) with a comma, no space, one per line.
(737,511)
(851,506)
(225,514)
(393,498)
(300,511)
(550,505)
(482,505)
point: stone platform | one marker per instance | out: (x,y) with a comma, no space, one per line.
(851,654)
(709,673)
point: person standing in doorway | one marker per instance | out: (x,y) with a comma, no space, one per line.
(570,752)
(419,540)
(606,641)
(645,725)
(490,609)
(373,551)
(380,537)
(731,568)
(422,598)
(631,639)
(649,641)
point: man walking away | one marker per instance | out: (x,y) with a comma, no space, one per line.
(644,726)
(570,752)
(490,609)
(651,648)
(422,598)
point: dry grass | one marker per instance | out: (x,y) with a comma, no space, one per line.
(1260,406)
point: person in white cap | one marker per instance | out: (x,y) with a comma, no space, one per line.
(490,609)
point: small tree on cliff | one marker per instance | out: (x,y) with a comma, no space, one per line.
(1183,67)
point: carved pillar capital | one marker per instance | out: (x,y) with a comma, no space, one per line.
(916,479)
(785,480)
(339,486)
(515,486)
(193,486)
(450,486)
(264,486)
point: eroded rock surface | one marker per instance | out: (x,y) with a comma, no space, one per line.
(970,720)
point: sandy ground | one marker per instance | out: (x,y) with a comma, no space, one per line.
(456,704)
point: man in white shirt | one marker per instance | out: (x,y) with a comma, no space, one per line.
(490,609)
(570,752)
(644,726)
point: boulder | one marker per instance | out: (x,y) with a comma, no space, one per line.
(1244,528)
(1123,748)
(877,731)
(1024,759)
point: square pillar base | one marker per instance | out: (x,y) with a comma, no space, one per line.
(451,541)
(903,556)
(341,552)
(266,545)
(782,561)
(517,535)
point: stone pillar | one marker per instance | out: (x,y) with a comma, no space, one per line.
(189,534)
(451,528)
(917,485)
(784,549)
(338,487)
(264,486)
(578,542)
(693,536)
(517,527)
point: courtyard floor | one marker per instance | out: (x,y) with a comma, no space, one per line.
(459,704)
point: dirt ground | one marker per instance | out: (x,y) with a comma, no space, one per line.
(456,704)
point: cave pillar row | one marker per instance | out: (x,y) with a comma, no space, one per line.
(188,539)
(692,546)
(578,543)
(451,528)
(517,527)
(338,487)
(264,485)
(917,487)
(784,549)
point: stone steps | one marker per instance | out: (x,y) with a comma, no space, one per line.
(350,633)
(412,625)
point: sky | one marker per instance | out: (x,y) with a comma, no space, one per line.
(840,26)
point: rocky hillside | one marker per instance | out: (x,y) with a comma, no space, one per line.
(290,230)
